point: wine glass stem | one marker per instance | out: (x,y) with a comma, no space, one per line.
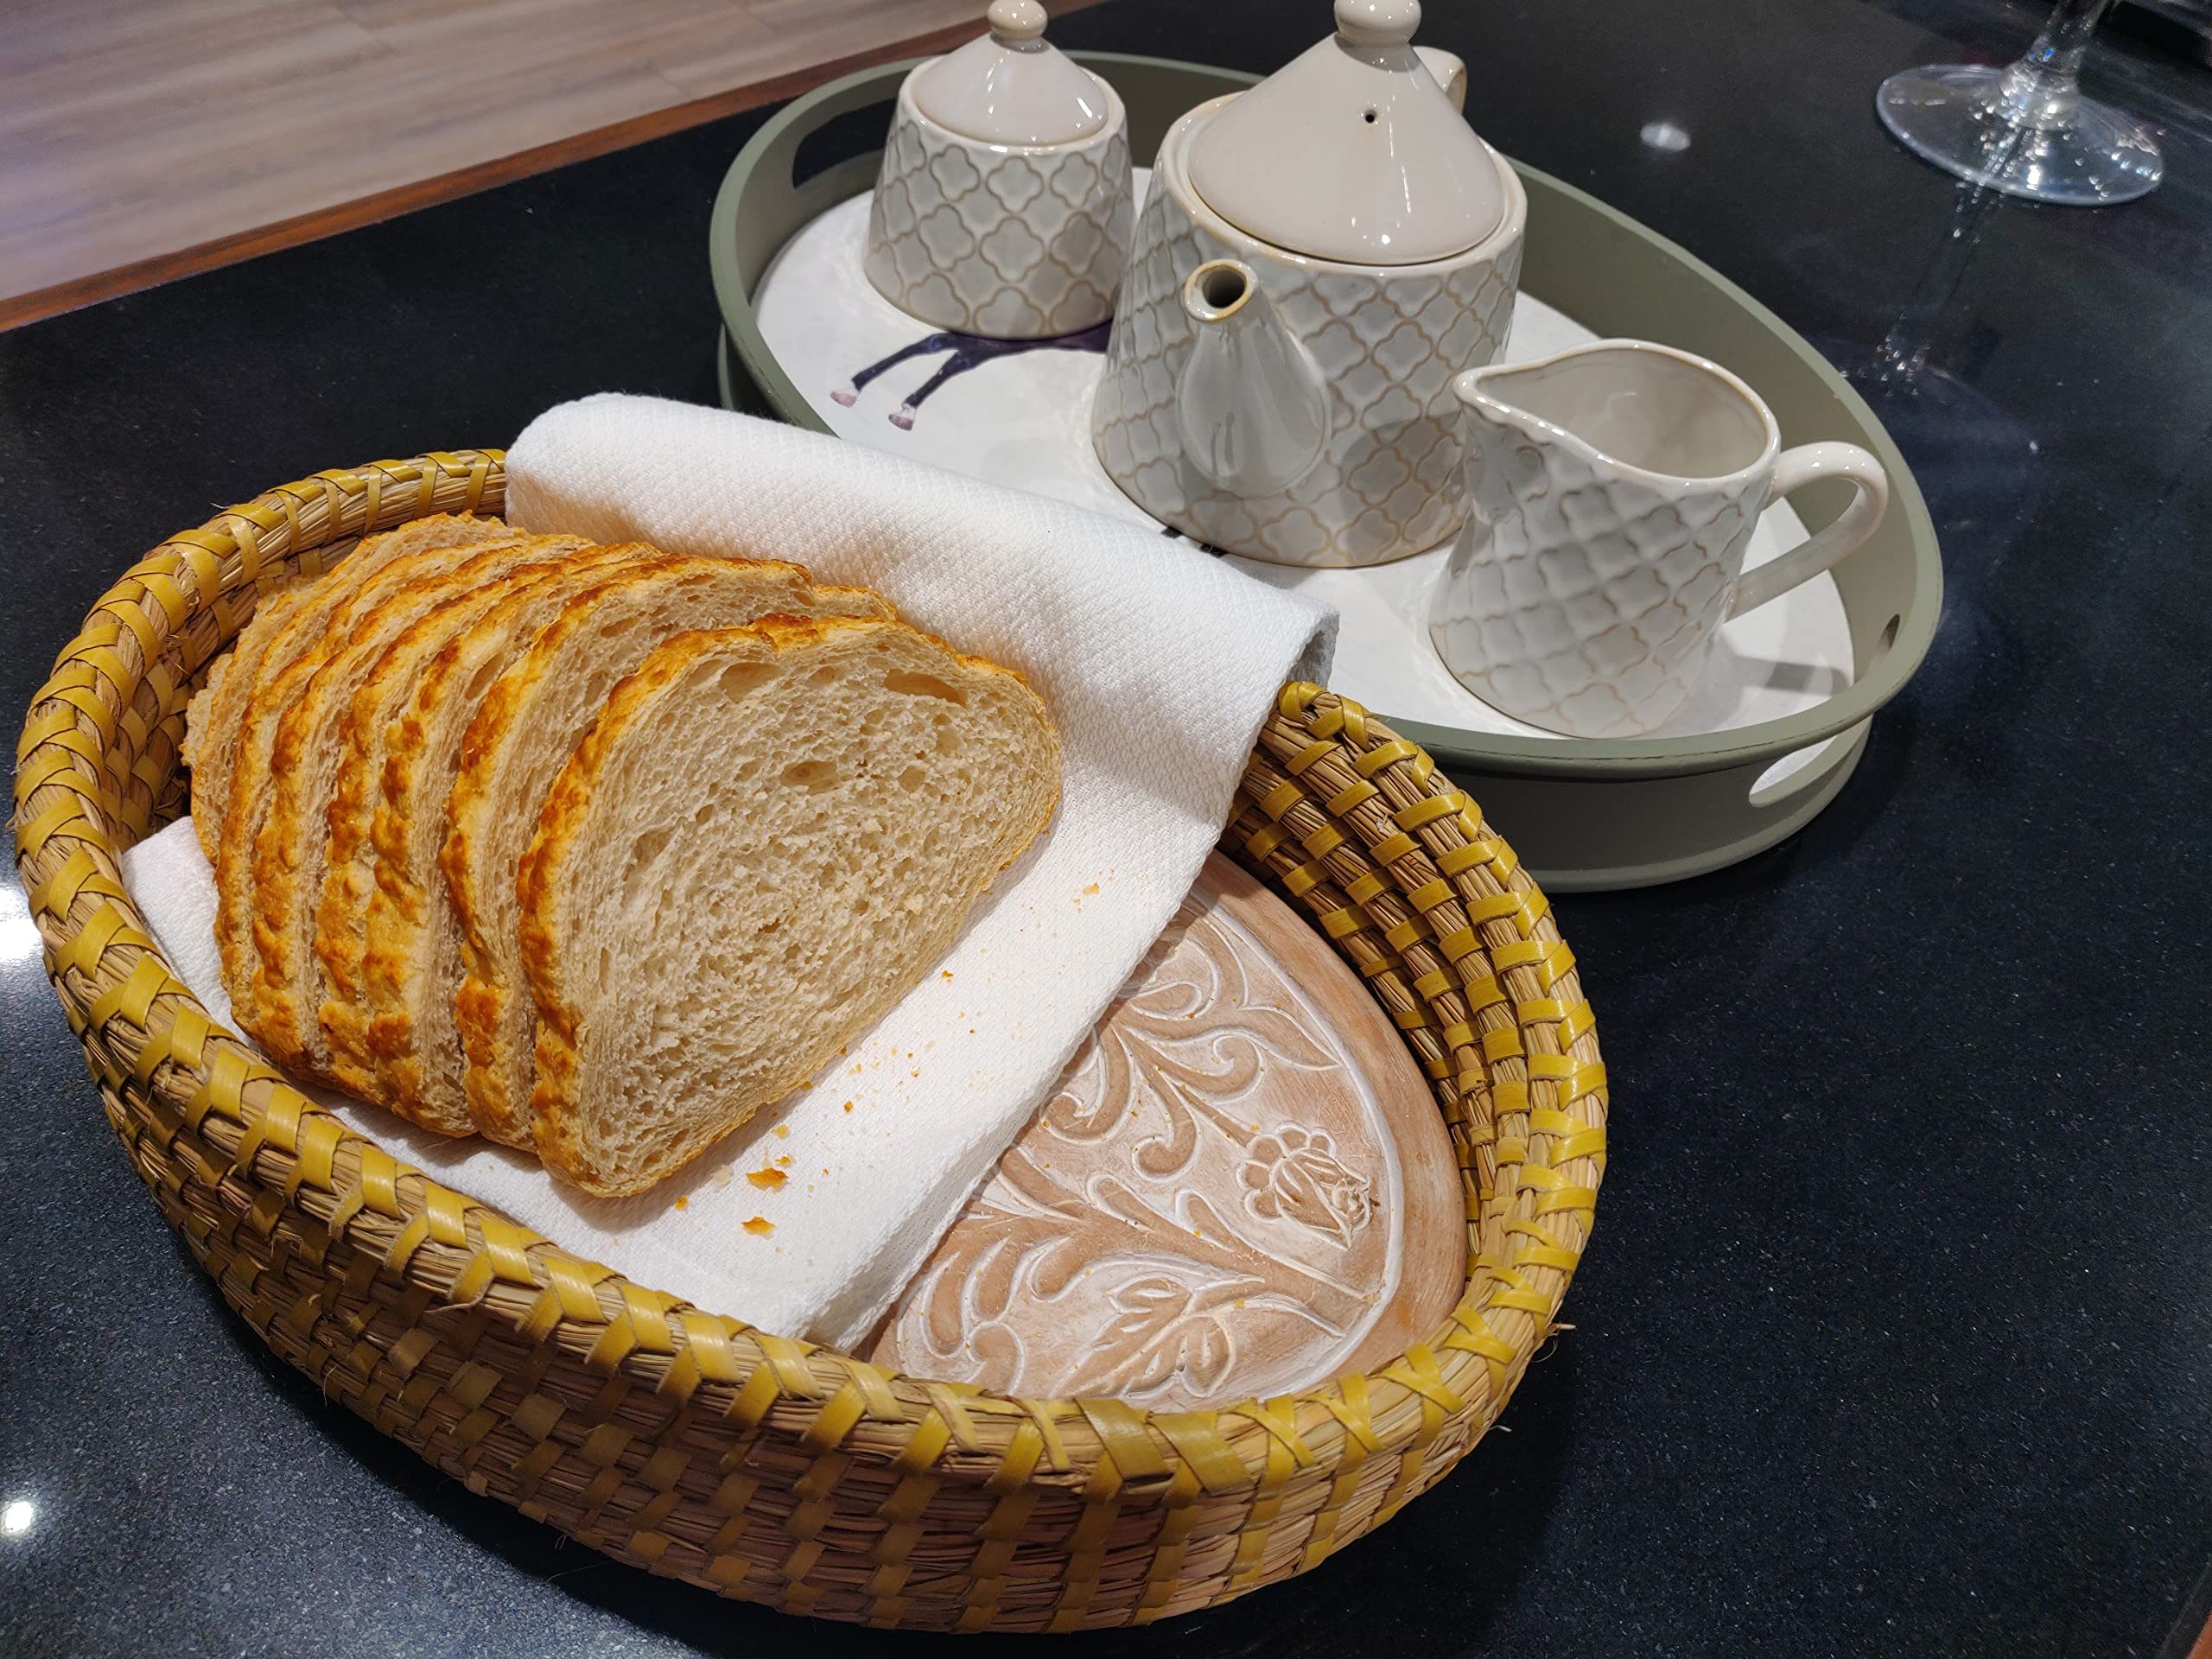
(2040,91)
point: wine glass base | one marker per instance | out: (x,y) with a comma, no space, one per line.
(1949,115)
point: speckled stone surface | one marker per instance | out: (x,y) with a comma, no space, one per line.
(1895,1335)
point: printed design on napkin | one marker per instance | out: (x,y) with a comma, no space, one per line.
(966,352)
(1150,1239)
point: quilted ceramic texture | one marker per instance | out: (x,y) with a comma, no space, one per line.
(1616,487)
(1009,243)
(1388,341)
(1583,599)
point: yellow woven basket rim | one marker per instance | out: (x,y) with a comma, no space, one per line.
(689,1443)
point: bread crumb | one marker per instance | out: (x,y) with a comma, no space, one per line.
(849,1105)
(1093,888)
(759,1226)
(682,1203)
(782,1131)
(784,1159)
(771,1178)
(946,974)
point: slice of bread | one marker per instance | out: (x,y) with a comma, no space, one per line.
(339,933)
(214,717)
(288,662)
(215,723)
(409,964)
(284,878)
(765,840)
(515,744)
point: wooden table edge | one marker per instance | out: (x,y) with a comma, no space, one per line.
(53,300)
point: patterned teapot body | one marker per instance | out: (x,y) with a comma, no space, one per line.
(1352,399)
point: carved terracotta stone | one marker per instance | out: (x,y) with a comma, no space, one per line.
(1241,1186)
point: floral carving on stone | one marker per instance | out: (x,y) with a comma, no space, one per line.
(1209,1207)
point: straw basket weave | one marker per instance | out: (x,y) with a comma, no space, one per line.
(688,1443)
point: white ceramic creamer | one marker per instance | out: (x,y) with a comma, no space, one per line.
(1615,487)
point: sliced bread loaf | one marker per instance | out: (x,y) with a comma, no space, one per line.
(765,840)
(284,877)
(216,723)
(515,744)
(287,664)
(338,932)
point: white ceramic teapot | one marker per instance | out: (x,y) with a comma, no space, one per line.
(1316,259)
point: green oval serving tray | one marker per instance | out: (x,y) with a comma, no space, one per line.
(1588,815)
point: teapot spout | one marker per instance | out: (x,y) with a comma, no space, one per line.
(1251,404)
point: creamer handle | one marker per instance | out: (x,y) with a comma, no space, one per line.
(1793,470)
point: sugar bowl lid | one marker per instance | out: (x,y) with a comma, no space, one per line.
(1012,85)
(1351,151)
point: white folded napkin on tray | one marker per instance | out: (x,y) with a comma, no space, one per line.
(1158,663)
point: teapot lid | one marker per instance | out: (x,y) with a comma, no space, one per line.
(1011,85)
(1351,151)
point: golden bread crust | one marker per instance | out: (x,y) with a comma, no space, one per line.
(301,634)
(282,999)
(404,905)
(338,936)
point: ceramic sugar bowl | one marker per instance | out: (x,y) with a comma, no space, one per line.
(1317,259)
(1003,206)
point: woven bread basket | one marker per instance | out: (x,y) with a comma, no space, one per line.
(692,1444)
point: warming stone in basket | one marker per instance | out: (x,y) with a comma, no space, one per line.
(1239,1187)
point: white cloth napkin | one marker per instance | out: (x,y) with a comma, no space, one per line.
(1158,663)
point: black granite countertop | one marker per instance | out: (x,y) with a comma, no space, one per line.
(1895,1335)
